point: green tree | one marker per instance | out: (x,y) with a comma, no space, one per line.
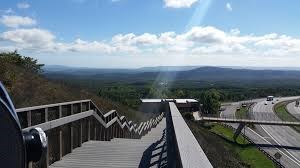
(211,101)
(15,59)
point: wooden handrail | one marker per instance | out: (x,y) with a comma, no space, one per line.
(87,116)
(25,109)
(69,119)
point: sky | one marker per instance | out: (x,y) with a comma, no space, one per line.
(139,33)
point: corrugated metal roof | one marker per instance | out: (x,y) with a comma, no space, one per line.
(176,100)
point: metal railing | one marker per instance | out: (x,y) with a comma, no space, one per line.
(69,124)
(246,121)
(182,146)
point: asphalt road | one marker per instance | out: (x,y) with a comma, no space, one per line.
(266,140)
(292,109)
(278,135)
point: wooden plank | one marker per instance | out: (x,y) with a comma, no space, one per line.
(119,153)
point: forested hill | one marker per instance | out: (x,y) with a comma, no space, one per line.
(27,87)
(215,73)
(197,74)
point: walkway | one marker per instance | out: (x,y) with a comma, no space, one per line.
(149,151)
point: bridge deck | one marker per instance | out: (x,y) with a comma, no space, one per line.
(260,122)
(149,151)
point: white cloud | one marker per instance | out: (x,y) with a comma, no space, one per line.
(179,3)
(228,7)
(17,21)
(37,39)
(204,43)
(23,5)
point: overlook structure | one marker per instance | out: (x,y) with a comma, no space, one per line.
(80,135)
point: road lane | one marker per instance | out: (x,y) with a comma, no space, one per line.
(292,109)
(281,135)
(265,141)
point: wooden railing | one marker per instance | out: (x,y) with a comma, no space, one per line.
(182,147)
(69,124)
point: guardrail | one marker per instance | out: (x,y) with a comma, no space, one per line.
(69,124)
(181,142)
(246,121)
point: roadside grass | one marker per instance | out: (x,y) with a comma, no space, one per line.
(217,142)
(284,115)
(248,154)
(242,113)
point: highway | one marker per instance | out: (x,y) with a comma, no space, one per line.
(292,109)
(279,135)
(265,140)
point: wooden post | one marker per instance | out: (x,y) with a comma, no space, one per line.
(80,138)
(46,115)
(30,165)
(47,154)
(29,118)
(115,130)
(102,131)
(60,134)
(89,128)
(95,131)
(109,133)
(72,134)
(60,144)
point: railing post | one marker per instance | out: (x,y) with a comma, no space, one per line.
(60,134)
(46,114)
(101,138)
(95,131)
(116,130)
(104,133)
(89,128)
(80,138)
(29,118)
(72,129)
(47,154)
(112,131)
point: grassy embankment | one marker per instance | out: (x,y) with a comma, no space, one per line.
(284,115)
(242,113)
(219,146)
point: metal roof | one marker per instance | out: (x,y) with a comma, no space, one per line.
(176,100)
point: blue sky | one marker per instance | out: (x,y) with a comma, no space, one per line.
(135,33)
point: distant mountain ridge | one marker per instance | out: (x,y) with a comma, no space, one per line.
(208,73)
(70,69)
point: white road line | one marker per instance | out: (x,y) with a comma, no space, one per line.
(280,144)
(295,161)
